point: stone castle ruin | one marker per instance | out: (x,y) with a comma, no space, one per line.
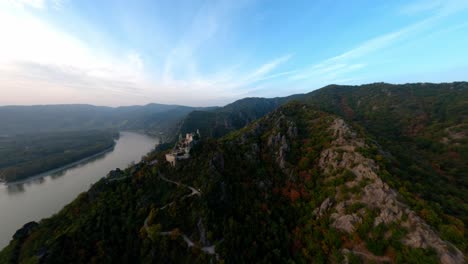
(181,150)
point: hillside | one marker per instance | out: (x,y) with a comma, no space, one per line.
(298,185)
(220,121)
(422,127)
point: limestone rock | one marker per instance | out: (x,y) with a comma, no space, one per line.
(347,223)
(376,194)
(326,204)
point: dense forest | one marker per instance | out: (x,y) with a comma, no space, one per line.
(422,127)
(220,121)
(26,155)
(298,186)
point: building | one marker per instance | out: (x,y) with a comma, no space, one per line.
(171,158)
(182,148)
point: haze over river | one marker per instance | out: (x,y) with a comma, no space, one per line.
(42,196)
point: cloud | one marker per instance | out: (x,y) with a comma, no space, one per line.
(268,67)
(34,53)
(135,60)
(345,62)
(440,7)
(181,68)
(228,83)
(421,6)
(357,57)
(263,72)
(37,54)
(28,3)
(339,67)
(37,4)
(209,20)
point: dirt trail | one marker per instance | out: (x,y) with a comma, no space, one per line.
(208,249)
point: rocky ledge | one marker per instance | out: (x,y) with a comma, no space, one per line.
(374,194)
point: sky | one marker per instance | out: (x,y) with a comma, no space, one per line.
(202,53)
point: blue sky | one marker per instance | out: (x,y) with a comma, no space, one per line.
(214,52)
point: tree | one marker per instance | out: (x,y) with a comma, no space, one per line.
(154,232)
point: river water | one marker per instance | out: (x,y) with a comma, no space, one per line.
(46,194)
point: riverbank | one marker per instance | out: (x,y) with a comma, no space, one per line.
(65,167)
(46,193)
(25,156)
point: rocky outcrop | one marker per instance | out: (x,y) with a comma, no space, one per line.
(326,204)
(347,222)
(25,231)
(373,194)
(285,132)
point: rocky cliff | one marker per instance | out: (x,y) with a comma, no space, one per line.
(365,191)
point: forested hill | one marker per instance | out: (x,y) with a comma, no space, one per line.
(423,128)
(384,103)
(299,186)
(218,122)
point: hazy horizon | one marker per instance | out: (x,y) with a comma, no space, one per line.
(192,105)
(205,53)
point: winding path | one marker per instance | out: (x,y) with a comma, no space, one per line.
(194,191)
(208,249)
(368,256)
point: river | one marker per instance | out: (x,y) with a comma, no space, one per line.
(42,196)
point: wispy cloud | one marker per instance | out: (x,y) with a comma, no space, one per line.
(38,4)
(352,60)
(37,56)
(58,60)
(268,67)
(181,72)
(208,21)
(228,83)
(28,3)
(440,7)
(336,68)
(421,6)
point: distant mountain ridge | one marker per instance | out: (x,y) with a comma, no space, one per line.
(217,122)
(55,118)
